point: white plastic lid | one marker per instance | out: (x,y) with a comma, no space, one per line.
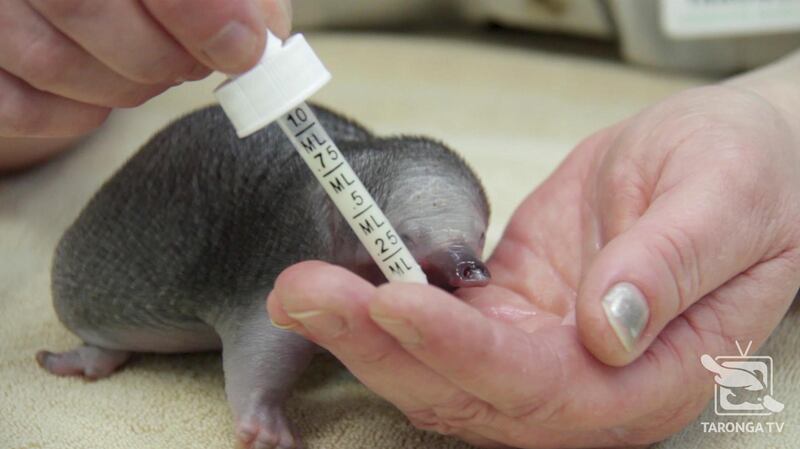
(287,74)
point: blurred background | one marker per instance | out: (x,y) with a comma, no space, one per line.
(713,37)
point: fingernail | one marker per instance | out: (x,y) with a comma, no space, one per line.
(283,326)
(286,9)
(627,312)
(401,329)
(231,46)
(321,323)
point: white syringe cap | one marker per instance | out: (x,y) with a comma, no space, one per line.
(287,74)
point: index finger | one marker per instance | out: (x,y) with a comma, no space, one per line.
(492,360)
(308,292)
(542,378)
(123,36)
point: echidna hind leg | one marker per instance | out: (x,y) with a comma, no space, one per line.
(91,362)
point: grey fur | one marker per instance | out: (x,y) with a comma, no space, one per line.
(199,219)
(178,250)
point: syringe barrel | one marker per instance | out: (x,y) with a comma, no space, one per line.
(275,89)
(350,196)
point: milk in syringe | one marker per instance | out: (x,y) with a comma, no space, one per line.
(276,90)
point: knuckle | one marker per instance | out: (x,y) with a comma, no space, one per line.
(627,185)
(707,322)
(460,413)
(679,252)
(45,59)
(464,412)
(426,419)
(373,355)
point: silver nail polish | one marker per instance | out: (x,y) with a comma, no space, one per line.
(627,312)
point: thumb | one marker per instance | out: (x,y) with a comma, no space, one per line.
(687,243)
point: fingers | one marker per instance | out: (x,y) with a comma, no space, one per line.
(351,318)
(142,52)
(34,51)
(450,369)
(328,304)
(226,35)
(387,332)
(25,111)
(121,53)
(332,307)
(481,356)
(691,240)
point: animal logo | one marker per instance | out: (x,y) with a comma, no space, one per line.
(743,384)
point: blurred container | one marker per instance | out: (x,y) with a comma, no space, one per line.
(637,25)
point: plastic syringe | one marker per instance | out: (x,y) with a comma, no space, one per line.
(276,90)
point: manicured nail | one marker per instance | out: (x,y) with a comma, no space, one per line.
(401,329)
(321,323)
(231,46)
(627,312)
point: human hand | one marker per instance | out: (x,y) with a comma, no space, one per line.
(65,64)
(694,201)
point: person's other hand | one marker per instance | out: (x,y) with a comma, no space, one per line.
(684,218)
(65,64)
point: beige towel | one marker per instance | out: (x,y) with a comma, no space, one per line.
(514,113)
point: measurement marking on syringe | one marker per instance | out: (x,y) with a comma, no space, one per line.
(305,129)
(391,255)
(362,212)
(272,91)
(332,170)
